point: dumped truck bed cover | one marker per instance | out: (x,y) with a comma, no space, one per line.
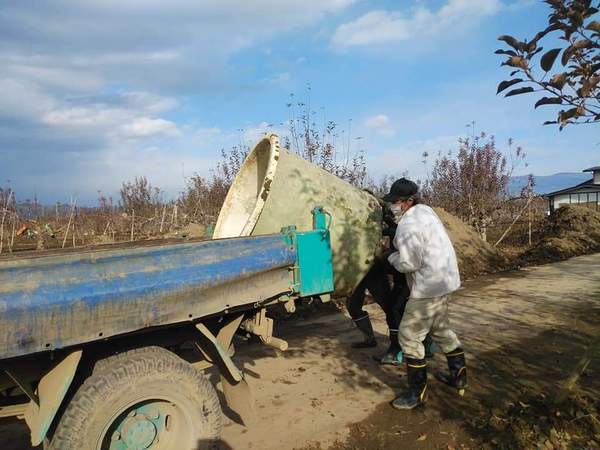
(57,301)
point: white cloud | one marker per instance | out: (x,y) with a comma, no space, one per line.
(147,126)
(124,57)
(181,32)
(87,99)
(520,4)
(75,80)
(109,118)
(149,102)
(126,116)
(379,26)
(279,78)
(381,124)
(23,99)
(407,156)
(378,121)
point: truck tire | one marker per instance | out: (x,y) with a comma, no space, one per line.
(146,398)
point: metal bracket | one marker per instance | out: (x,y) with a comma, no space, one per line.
(221,354)
(289,304)
(262,326)
(325,298)
(235,388)
(25,387)
(51,391)
(320,221)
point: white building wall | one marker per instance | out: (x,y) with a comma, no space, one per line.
(562,199)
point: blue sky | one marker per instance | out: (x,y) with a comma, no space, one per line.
(95,92)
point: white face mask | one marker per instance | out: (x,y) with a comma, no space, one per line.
(397,211)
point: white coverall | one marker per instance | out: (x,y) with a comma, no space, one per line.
(426,255)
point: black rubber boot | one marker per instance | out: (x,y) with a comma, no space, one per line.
(457,367)
(416,394)
(393,355)
(364,325)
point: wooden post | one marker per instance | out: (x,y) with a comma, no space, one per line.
(132,223)
(12,235)
(529,206)
(66,233)
(162,220)
(512,223)
(4,212)
(74,222)
(2,223)
(174,216)
(530,195)
(69,223)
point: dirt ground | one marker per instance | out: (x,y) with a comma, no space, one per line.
(522,331)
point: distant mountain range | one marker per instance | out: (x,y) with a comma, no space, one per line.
(548,183)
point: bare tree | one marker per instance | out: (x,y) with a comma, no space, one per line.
(141,196)
(474,184)
(203,197)
(325,144)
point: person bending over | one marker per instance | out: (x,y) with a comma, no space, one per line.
(426,255)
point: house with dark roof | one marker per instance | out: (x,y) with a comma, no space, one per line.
(586,193)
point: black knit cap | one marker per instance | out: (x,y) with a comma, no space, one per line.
(401,189)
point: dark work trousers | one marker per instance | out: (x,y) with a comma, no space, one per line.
(391,300)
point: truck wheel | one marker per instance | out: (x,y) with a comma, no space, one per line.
(146,398)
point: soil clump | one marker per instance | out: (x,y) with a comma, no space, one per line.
(536,422)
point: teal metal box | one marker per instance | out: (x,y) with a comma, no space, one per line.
(313,273)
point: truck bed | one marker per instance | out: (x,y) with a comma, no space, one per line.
(58,300)
(118,245)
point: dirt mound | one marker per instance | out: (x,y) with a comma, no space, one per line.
(475,256)
(537,423)
(571,231)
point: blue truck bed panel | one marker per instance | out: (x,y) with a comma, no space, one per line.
(58,301)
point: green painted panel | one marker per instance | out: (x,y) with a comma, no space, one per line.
(315,262)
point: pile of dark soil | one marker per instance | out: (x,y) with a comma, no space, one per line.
(475,256)
(571,231)
(538,423)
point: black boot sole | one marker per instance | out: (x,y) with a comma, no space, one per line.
(417,406)
(420,404)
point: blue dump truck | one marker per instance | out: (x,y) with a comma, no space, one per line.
(105,349)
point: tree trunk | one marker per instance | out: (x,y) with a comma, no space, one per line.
(484,224)
(12,235)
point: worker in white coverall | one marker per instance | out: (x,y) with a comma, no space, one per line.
(426,255)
